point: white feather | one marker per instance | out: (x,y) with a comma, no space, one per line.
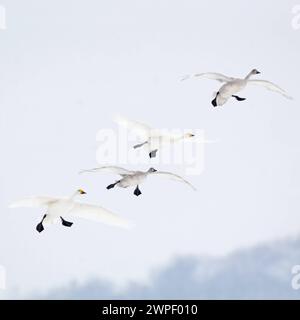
(172,176)
(33,202)
(209,75)
(270,86)
(61,207)
(109,169)
(98,214)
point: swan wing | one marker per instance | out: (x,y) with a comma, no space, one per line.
(270,86)
(209,75)
(33,202)
(139,128)
(98,214)
(109,169)
(172,176)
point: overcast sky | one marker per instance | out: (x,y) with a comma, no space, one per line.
(68,66)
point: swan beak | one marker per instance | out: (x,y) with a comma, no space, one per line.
(81,191)
(258,72)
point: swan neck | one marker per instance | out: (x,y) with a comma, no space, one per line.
(178,138)
(73,196)
(249,75)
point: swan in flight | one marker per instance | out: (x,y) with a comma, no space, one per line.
(135,178)
(152,139)
(56,208)
(232,86)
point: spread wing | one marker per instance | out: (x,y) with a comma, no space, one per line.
(33,202)
(110,169)
(270,86)
(140,129)
(172,176)
(209,75)
(99,214)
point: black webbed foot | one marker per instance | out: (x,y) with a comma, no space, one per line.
(139,145)
(40,226)
(152,154)
(239,98)
(112,185)
(137,191)
(214,102)
(66,223)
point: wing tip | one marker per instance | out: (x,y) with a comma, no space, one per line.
(16,204)
(125,224)
(91,170)
(129,225)
(186,77)
(83,171)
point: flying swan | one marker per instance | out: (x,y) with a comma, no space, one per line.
(135,178)
(232,86)
(152,139)
(57,208)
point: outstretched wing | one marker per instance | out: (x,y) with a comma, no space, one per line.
(209,75)
(99,214)
(33,202)
(270,86)
(109,169)
(172,176)
(139,128)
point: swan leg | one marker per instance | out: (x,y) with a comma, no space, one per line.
(40,226)
(152,154)
(112,185)
(66,223)
(214,102)
(137,191)
(140,145)
(239,98)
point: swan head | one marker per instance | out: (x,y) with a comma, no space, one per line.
(188,135)
(255,71)
(151,170)
(80,191)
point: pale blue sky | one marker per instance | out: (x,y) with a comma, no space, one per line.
(68,66)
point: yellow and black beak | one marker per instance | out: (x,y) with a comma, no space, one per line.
(81,191)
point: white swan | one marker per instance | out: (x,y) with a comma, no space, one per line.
(152,139)
(234,85)
(58,207)
(135,178)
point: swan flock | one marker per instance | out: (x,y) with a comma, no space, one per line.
(62,209)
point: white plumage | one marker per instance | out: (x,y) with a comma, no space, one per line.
(62,207)
(135,178)
(232,86)
(152,139)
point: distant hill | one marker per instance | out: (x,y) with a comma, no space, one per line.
(262,272)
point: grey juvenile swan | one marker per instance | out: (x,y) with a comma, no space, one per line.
(135,178)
